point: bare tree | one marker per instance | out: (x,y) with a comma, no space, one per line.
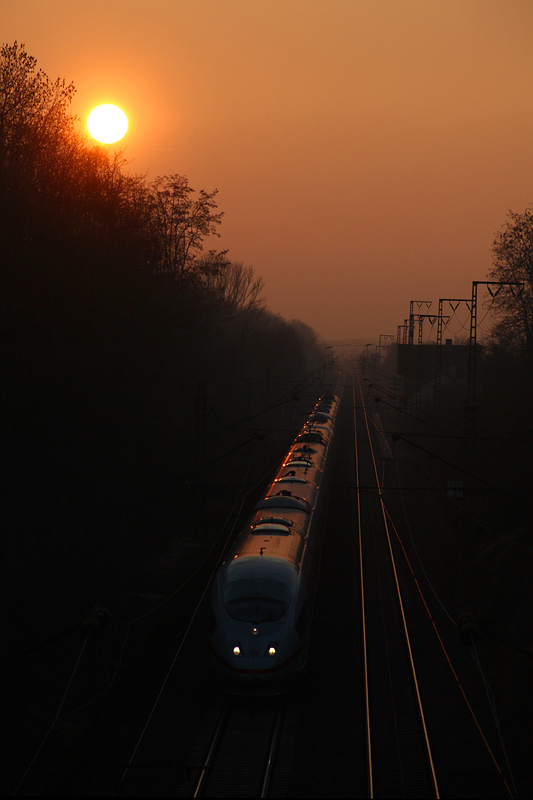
(230,285)
(512,250)
(180,223)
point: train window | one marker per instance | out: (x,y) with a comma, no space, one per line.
(251,600)
(275,520)
(320,417)
(270,529)
(316,438)
(299,462)
(299,503)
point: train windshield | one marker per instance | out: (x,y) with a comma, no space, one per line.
(252,600)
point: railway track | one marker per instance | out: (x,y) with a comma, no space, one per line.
(192,741)
(236,753)
(425,735)
(399,756)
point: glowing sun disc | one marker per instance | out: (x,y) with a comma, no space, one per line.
(107,123)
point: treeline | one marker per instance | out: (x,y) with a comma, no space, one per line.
(132,352)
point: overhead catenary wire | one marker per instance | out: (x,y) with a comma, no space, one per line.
(479,524)
(304,384)
(174,660)
(398,594)
(494,712)
(486,483)
(452,668)
(232,514)
(430,584)
(521,437)
(448,659)
(54,721)
(129,624)
(509,781)
(182,642)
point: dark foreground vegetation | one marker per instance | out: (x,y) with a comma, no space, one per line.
(144,384)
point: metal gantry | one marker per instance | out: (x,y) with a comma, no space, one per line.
(419,303)
(405,334)
(438,355)
(418,396)
(389,336)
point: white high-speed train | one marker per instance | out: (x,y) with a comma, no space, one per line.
(263,593)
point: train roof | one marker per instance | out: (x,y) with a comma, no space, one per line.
(261,556)
(295,486)
(262,568)
(300,467)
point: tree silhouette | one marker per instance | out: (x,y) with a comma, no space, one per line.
(113,315)
(513,263)
(232,287)
(180,222)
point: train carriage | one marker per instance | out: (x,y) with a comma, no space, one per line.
(263,592)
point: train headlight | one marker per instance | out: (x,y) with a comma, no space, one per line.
(271,650)
(236,650)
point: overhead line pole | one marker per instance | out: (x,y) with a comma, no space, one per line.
(472,350)
(389,336)
(419,303)
(418,393)
(438,357)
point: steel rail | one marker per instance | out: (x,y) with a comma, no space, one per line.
(400,601)
(225,746)
(200,784)
(363,612)
(273,748)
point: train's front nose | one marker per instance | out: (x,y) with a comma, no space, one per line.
(252,662)
(256,651)
(251,657)
(254,606)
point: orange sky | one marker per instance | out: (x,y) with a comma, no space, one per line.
(365,151)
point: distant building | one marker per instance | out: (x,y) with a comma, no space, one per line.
(419,362)
(417,365)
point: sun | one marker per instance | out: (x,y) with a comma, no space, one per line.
(107,123)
